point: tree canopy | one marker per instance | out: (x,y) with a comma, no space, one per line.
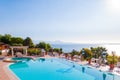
(6,38)
(28,42)
(44,45)
(97,51)
(87,53)
(16,41)
(74,52)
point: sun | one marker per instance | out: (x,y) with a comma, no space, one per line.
(113,4)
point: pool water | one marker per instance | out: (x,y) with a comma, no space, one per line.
(21,58)
(57,69)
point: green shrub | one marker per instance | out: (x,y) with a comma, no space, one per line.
(34,51)
(112,59)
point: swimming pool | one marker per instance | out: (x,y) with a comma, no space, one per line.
(57,69)
(21,58)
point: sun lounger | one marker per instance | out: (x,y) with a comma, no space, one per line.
(18,54)
(2,57)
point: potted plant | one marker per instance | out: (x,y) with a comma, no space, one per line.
(66,55)
(111,65)
(74,52)
(112,61)
(89,59)
(72,56)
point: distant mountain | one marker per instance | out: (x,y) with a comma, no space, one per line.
(50,42)
(56,42)
(61,42)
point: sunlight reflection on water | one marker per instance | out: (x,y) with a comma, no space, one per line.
(115,48)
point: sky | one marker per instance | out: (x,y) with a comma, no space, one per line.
(78,21)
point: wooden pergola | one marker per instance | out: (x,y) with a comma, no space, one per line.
(23,47)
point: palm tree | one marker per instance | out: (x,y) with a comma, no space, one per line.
(88,55)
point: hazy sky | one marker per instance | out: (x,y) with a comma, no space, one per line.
(64,20)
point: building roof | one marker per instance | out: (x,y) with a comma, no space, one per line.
(1,43)
(19,47)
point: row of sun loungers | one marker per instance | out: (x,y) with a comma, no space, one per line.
(102,67)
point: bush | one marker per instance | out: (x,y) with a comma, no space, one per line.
(34,51)
(17,45)
(87,53)
(112,59)
(74,52)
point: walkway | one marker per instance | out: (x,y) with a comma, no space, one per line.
(5,73)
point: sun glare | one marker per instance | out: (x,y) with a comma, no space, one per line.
(113,4)
(115,48)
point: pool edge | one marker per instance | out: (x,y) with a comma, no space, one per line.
(10,74)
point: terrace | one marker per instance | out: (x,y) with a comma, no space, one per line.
(6,74)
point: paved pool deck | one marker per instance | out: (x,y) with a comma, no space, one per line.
(6,73)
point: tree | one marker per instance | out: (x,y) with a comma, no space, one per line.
(97,51)
(118,58)
(112,60)
(87,53)
(58,50)
(47,47)
(34,51)
(74,52)
(0,37)
(94,51)
(28,42)
(6,39)
(43,45)
(16,41)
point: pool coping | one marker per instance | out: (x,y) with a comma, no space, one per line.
(10,74)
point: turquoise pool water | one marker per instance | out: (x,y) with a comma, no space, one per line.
(21,58)
(57,69)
